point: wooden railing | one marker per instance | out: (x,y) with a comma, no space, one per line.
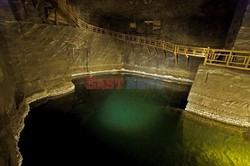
(217,57)
(228,58)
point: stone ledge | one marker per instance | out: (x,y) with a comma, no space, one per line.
(19,116)
(203,111)
(222,95)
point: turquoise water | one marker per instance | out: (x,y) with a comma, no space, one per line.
(128,127)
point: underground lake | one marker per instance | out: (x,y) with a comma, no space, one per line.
(127,126)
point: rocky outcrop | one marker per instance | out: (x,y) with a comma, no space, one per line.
(7,106)
(222,95)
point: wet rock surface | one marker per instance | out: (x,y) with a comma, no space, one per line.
(222,95)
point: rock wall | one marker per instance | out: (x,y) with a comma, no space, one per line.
(156,61)
(7,106)
(194,22)
(5,11)
(7,98)
(242,41)
(45,56)
(236,23)
(38,60)
(222,95)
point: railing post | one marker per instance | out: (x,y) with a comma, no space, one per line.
(187,60)
(175,55)
(248,62)
(229,58)
(206,56)
(56,17)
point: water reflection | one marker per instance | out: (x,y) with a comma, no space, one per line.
(211,143)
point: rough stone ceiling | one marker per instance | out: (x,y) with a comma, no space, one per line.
(161,8)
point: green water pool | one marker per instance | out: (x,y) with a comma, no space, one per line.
(128,127)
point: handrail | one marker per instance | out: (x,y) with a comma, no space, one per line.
(237,59)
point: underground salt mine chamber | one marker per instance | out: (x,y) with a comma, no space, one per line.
(139,82)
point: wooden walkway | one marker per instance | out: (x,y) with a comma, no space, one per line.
(236,59)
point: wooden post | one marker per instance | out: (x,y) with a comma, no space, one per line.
(175,55)
(229,58)
(176,59)
(156,50)
(165,53)
(133,47)
(56,17)
(141,48)
(187,60)
(206,56)
(87,63)
(148,49)
(248,62)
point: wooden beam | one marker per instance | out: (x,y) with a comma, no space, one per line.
(148,49)
(133,47)
(156,51)
(56,17)
(187,60)
(176,59)
(141,48)
(165,54)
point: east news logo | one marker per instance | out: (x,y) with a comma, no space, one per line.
(118,83)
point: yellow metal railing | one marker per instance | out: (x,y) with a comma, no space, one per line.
(228,58)
(217,57)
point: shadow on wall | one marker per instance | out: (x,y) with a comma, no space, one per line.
(17,9)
